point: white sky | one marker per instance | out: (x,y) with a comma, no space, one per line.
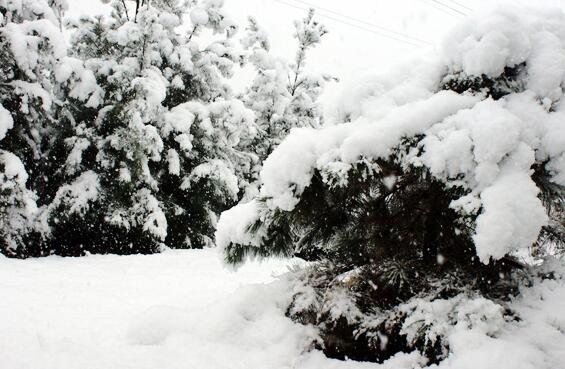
(353,49)
(347,49)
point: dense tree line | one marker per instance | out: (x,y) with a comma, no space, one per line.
(131,137)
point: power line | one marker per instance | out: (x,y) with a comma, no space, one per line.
(353,25)
(362,21)
(461,5)
(450,7)
(440,8)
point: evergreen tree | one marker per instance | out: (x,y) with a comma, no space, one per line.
(158,147)
(283,95)
(31,46)
(431,201)
(17,203)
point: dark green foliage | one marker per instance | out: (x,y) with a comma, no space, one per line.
(188,211)
(510,81)
(35,139)
(123,139)
(386,237)
(553,198)
(385,211)
(78,235)
(379,292)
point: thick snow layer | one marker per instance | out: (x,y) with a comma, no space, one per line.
(6,122)
(81,81)
(13,169)
(233,226)
(79,194)
(507,38)
(199,16)
(178,309)
(26,46)
(536,342)
(33,9)
(181,309)
(288,171)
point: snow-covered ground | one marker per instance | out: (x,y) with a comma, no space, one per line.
(173,310)
(183,309)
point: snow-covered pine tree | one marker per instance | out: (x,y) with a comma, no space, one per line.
(17,203)
(31,45)
(283,95)
(160,149)
(416,211)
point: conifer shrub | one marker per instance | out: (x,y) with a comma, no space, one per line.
(426,211)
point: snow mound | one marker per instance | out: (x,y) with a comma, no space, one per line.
(536,341)
(155,325)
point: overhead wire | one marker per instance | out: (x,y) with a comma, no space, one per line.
(362,21)
(443,10)
(421,44)
(450,7)
(460,4)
